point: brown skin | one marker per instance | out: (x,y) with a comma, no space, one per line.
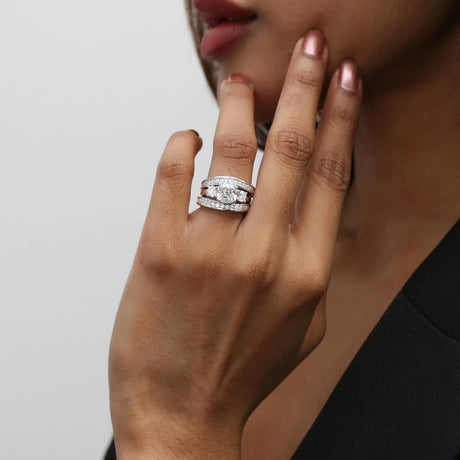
(219,308)
(406,192)
(387,38)
(189,389)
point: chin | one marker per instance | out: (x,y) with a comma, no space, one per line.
(264,108)
(268,80)
(266,99)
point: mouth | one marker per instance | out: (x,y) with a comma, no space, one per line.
(214,12)
(213,21)
(223,22)
(219,39)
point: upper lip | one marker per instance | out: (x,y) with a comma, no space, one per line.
(214,11)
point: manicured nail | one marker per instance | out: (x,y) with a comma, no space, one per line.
(349,75)
(313,43)
(240,78)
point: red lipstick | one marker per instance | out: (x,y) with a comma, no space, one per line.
(226,22)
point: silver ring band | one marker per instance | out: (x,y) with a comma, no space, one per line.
(226,193)
(228,181)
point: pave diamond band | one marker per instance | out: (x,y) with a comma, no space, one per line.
(226,193)
(202,201)
(228,181)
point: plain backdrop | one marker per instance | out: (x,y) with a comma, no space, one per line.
(90,91)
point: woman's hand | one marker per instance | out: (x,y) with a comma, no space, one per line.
(219,307)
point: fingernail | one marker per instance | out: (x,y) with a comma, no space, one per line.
(196,132)
(313,43)
(349,75)
(239,78)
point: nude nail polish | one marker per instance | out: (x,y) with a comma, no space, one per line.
(313,43)
(240,78)
(349,75)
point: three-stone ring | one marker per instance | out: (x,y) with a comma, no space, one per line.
(226,193)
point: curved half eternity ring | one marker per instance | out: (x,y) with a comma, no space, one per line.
(226,193)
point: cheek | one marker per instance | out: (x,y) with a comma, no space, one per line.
(376,33)
(380,33)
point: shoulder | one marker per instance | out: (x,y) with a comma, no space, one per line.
(434,288)
(400,396)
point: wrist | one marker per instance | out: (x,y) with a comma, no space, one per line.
(171,441)
(174,450)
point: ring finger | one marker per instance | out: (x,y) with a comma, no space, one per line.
(235,143)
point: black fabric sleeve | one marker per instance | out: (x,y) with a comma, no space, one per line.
(110,454)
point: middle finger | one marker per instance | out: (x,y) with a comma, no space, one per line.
(290,140)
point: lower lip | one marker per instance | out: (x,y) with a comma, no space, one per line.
(218,39)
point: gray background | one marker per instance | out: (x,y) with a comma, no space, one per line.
(90,91)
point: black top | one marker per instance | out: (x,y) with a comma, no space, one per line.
(399,398)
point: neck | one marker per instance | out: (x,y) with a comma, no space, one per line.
(407,149)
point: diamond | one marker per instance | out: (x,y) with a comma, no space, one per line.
(242,195)
(223,207)
(211,192)
(226,194)
(228,181)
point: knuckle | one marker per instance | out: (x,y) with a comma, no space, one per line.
(162,266)
(238,147)
(160,260)
(120,358)
(174,169)
(344,114)
(255,272)
(203,262)
(320,322)
(305,78)
(318,331)
(178,135)
(316,282)
(292,146)
(334,172)
(317,328)
(181,137)
(236,90)
(258,268)
(143,255)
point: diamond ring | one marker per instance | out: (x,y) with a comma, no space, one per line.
(226,193)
